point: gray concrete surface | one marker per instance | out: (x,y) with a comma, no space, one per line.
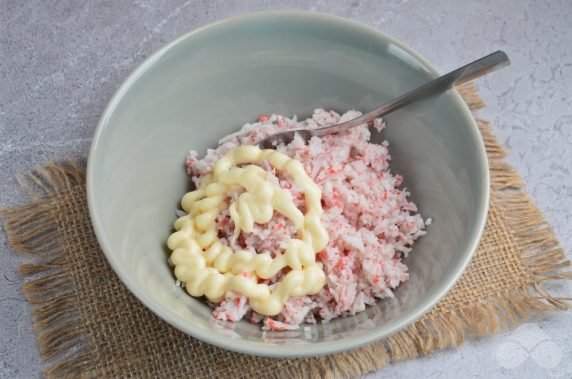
(60,61)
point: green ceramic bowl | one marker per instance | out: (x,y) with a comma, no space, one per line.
(210,82)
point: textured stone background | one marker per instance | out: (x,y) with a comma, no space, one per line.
(60,61)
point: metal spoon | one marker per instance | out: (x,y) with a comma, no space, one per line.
(473,70)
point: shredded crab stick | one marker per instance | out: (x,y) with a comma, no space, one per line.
(210,268)
(330,207)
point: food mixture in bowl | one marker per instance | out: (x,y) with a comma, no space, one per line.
(309,232)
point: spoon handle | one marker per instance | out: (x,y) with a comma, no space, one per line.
(480,67)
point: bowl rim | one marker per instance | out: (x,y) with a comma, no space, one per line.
(256,347)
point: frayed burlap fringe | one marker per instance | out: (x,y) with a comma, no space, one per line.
(33,230)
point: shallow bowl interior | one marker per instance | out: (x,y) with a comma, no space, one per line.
(209,83)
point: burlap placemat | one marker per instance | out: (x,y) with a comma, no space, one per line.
(89,324)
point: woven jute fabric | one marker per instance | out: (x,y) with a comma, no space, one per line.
(89,325)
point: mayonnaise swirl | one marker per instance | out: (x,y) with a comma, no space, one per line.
(210,268)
